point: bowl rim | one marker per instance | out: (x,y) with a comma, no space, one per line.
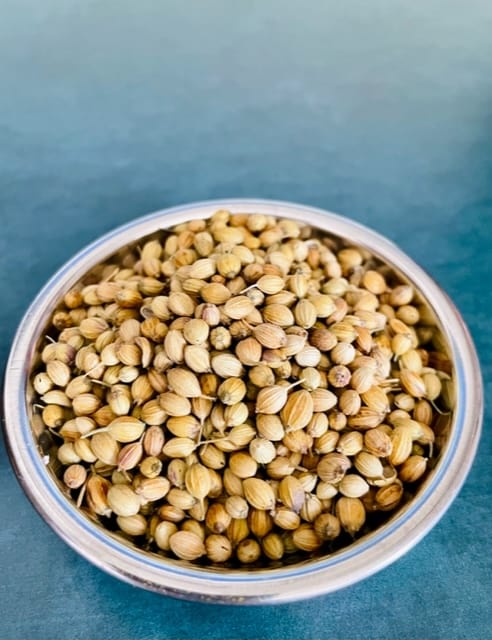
(370,554)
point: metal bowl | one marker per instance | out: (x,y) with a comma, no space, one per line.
(302,580)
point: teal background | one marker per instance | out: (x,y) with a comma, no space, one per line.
(380,110)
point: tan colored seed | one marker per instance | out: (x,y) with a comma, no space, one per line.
(413,468)
(387,498)
(323,400)
(327,526)
(123,501)
(186,545)
(238,307)
(162,534)
(270,427)
(259,494)
(374,282)
(305,313)
(97,495)
(291,493)
(126,428)
(353,486)
(231,391)
(198,481)
(297,411)
(215,293)
(227,366)
(175,405)
(368,465)
(270,335)
(306,538)
(248,551)
(179,447)
(378,443)
(401,440)
(151,467)
(332,467)
(270,400)
(184,383)
(350,443)
(152,488)
(262,450)
(85,404)
(218,548)
(129,456)
(351,514)
(74,476)
(105,448)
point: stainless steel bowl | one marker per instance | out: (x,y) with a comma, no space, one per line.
(309,578)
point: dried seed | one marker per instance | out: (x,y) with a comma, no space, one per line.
(351,514)
(259,494)
(186,545)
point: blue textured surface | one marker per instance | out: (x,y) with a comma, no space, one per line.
(378,110)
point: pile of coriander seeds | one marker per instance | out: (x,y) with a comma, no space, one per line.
(242,390)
